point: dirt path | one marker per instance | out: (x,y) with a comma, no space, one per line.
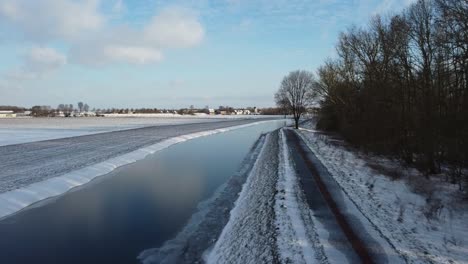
(326,201)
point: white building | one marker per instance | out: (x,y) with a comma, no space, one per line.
(7,114)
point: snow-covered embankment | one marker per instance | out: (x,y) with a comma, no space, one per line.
(270,222)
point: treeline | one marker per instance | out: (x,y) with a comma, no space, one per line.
(400,86)
(15,109)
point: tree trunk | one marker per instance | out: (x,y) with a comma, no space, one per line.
(296,122)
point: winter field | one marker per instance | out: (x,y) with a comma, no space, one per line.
(23,130)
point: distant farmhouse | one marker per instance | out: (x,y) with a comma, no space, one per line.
(7,114)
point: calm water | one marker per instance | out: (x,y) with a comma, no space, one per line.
(134,208)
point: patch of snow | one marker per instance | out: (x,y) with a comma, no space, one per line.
(16,200)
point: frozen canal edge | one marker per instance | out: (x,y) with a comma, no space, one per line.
(14,201)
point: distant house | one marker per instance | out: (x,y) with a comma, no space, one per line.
(241,112)
(25,113)
(7,114)
(211,111)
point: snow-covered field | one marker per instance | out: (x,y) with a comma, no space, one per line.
(424,219)
(24,130)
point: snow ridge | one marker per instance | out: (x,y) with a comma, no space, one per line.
(249,236)
(16,200)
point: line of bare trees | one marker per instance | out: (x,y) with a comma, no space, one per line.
(400,86)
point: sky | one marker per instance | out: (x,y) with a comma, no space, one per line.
(167,54)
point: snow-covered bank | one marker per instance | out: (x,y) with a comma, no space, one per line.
(421,218)
(270,222)
(13,201)
(249,236)
(206,224)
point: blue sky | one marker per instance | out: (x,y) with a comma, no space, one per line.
(152,53)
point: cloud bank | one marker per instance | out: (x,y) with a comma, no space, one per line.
(37,63)
(91,38)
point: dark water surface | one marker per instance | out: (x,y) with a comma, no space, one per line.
(136,207)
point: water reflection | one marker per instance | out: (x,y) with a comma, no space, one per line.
(136,207)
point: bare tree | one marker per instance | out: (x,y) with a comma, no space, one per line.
(80,106)
(61,108)
(296,93)
(86,107)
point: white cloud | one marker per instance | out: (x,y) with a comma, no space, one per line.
(47,20)
(91,38)
(172,28)
(37,63)
(132,54)
(391,6)
(44,59)
(118,7)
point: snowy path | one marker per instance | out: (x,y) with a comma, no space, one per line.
(352,238)
(28,163)
(270,222)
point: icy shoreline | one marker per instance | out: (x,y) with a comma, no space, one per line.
(13,201)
